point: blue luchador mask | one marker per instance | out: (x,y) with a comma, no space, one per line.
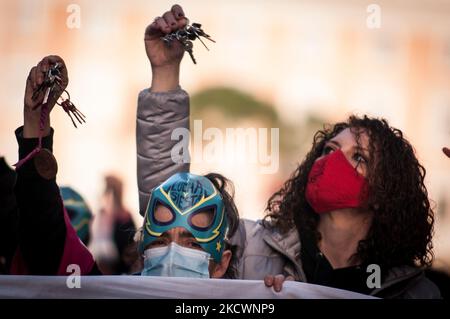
(79,213)
(187,195)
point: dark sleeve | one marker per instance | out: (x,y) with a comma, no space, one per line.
(8,215)
(42,230)
(95,271)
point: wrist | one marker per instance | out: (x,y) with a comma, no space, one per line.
(165,78)
(32,124)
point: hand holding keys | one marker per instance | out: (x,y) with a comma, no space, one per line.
(53,87)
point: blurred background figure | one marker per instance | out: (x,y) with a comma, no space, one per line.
(113,245)
(79,213)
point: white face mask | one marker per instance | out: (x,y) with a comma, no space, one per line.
(176,261)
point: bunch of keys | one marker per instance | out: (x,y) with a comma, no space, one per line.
(186,36)
(44,161)
(51,81)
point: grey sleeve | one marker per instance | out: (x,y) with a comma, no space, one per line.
(158,115)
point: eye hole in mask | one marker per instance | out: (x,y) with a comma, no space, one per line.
(163,215)
(203,219)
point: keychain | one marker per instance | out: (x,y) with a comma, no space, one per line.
(44,161)
(186,35)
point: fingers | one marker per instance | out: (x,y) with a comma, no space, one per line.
(33,97)
(30,88)
(52,60)
(182,23)
(32,84)
(268,280)
(40,72)
(170,20)
(45,64)
(446,151)
(177,11)
(179,15)
(32,77)
(173,23)
(162,25)
(278,282)
(152,29)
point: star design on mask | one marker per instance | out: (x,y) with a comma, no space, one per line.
(218,246)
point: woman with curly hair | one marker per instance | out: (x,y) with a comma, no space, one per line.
(357,199)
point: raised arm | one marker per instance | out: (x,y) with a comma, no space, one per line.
(47,241)
(41,219)
(162,108)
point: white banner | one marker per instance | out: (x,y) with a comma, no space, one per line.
(158,287)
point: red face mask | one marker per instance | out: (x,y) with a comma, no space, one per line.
(333,183)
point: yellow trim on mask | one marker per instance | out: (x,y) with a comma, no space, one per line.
(191,208)
(83,222)
(147,224)
(73,202)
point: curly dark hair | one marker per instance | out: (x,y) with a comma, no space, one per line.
(226,189)
(402,225)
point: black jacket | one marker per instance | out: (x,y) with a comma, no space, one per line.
(41,225)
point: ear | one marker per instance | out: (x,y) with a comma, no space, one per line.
(219,269)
